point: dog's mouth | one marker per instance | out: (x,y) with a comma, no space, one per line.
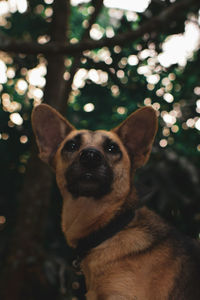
(88,179)
(89,182)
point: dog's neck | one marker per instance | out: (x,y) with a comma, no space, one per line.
(94,239)
(84,215)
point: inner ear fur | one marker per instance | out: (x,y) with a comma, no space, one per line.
(50,129)
(137,133)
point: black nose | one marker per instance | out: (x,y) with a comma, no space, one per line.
(90,157)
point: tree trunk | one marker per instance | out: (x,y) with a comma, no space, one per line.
(55,83)
(22,276)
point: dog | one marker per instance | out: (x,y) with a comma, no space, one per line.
(127,252)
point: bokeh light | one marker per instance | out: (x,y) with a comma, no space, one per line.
(138,6)
(89,107)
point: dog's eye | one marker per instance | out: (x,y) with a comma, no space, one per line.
(71,146)
(112,148)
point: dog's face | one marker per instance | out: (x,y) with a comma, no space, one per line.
(94,163)
(90,159)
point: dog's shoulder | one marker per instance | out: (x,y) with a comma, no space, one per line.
(175,251)
(162,232)
(148,245)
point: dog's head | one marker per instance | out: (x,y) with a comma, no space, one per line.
(94,169)
(94,163)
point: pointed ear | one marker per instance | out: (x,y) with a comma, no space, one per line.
(50,129)
(137,133)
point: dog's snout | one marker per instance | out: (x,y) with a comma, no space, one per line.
(91,157)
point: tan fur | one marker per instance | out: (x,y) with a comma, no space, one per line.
(144,261)
(126,270)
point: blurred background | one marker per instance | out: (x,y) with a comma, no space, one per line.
(96,62)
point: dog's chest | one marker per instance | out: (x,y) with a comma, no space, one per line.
(131,278)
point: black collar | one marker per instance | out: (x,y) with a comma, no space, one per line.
(119,222)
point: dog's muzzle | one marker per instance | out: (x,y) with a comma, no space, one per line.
(89,175)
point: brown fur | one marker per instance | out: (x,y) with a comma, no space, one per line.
(146,260)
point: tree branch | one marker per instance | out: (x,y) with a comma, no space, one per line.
(155,24)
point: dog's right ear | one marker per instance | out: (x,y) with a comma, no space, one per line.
(50,129)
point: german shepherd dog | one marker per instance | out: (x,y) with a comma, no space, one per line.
(127,252)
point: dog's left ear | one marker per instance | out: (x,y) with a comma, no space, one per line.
(50,129)
(137,133)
